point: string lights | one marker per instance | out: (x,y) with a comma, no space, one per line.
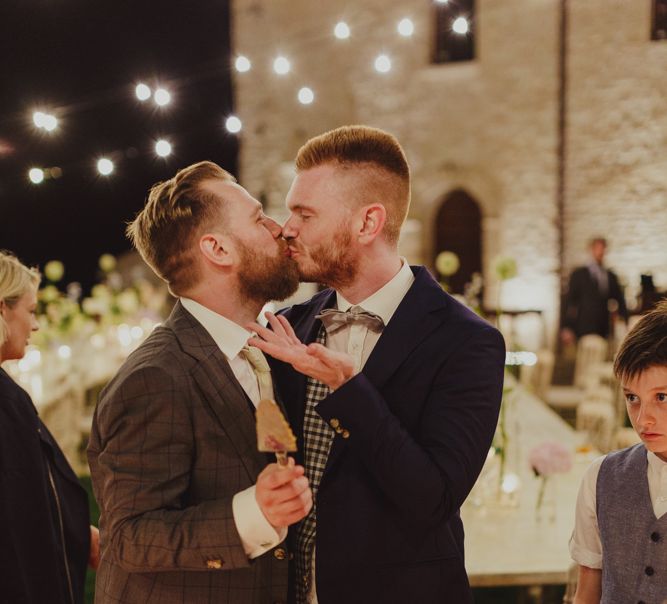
(45,121)
(105,166)
(36,175)
(233,124)
(142,92)
(163,148)
(242,64)
(281,66)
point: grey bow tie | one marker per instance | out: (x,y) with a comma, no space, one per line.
(334,320)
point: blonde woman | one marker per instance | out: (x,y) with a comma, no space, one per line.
(46,539)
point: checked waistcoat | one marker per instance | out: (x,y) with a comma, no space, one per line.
(318,436)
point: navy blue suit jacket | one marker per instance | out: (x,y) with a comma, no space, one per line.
(421,417)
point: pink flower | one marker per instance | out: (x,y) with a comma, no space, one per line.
(550,458)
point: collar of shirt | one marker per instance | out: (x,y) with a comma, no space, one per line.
(656,464)
(385,300)
(229,336)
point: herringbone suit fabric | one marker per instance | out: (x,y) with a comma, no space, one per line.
(173,440)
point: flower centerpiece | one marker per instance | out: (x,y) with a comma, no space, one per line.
(505,268)
(446,263)
(547,459)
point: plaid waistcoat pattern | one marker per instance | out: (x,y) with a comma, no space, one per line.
(318,436)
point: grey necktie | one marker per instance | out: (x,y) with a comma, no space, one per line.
(334,320)
(261,368)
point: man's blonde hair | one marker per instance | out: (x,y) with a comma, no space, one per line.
(16,279)
(386,172)
(177,211)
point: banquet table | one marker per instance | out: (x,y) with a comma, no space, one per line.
(505,543)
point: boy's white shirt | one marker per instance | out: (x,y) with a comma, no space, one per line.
(585,545)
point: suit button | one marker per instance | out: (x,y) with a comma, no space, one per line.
(334,422)
(339,430)
(345,434)
(279,553)
(649,571)
(214,564)
(655,537)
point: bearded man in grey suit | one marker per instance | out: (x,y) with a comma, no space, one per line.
(190,510)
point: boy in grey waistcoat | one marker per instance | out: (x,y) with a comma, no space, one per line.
(620,533)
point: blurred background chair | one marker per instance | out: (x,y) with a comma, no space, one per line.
(591,351)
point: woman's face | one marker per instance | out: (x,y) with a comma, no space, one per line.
(21,321)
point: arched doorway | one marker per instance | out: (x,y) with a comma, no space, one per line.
(458,228)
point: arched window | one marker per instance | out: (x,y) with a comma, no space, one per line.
(459,229)
(454,29)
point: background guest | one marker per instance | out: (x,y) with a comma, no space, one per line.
(592,290)
(44,522)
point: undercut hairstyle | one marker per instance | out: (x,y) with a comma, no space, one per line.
(386,171)
(176,213)
(16,279)
(645,346)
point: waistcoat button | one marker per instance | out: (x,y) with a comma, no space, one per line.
(649,571)
(655,536)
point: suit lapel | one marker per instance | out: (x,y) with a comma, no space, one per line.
(417,315)
(221,390)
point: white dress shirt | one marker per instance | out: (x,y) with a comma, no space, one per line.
(359,341)
(585,544)
(257,534)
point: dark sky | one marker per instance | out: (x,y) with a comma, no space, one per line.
(81,59)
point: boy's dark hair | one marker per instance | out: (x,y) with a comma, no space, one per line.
(645,346)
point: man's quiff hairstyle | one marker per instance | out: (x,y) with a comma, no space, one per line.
(176,213)
(363,146)
(645,346)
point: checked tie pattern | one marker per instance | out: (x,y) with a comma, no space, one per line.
(318,436)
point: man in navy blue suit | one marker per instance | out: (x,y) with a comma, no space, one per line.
(393,385)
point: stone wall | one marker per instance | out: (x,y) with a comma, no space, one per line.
(617,149)
(488,126)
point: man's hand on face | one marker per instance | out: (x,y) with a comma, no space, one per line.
(283,494)
(328,366)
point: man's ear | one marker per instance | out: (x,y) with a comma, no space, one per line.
(373,219)
(215,248)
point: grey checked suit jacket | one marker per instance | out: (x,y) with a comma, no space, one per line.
(173,439)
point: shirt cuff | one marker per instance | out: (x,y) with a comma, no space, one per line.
(257,534)
(584,557)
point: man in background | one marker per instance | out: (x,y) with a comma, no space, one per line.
(593,294)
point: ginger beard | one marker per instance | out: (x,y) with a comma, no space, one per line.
(263,277)
(332,263)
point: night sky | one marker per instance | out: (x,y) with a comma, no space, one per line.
(81,60)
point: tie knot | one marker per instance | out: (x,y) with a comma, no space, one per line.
(256,358)
(334,320)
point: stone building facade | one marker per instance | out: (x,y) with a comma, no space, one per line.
(488,127)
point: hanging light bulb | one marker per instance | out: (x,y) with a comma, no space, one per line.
(342,30)
(233,124)
(382,64)
(406,27)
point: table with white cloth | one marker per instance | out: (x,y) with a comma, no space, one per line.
(507,544)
